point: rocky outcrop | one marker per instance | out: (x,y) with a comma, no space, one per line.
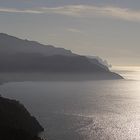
(16,123)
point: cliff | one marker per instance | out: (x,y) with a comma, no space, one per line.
(16,123)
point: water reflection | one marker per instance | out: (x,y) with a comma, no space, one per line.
(87,110)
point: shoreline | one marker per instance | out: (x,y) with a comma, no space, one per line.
(36,76)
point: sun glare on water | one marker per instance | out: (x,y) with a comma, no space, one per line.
(128,72)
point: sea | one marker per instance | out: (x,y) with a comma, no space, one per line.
(83,110)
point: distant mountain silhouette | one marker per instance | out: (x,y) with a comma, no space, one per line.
(100,60)
(11,45)
(57,63)
(17,55)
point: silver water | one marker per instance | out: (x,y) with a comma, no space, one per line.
(83,110)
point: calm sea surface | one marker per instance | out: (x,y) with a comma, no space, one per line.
(83,110)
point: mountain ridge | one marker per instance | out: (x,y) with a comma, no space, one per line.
(24,45)
(18,55)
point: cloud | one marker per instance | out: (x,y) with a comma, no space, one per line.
(82,11)
(74,30)
(92,11)
(12,10)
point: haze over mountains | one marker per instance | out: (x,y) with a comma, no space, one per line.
(11,45)
(18,55)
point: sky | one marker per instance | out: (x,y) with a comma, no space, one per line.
(106,28)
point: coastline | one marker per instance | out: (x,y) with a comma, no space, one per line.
(36,76)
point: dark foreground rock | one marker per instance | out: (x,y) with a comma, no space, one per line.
(16,123)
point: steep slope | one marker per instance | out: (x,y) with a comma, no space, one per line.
(18,55)
(23,62)
(11,45)
(96,62)
(16,122)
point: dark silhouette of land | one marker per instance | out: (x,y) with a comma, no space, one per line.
(16,123)
(17,55)
(12,45)
(23,62)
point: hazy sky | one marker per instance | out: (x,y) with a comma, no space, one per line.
(107,28)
